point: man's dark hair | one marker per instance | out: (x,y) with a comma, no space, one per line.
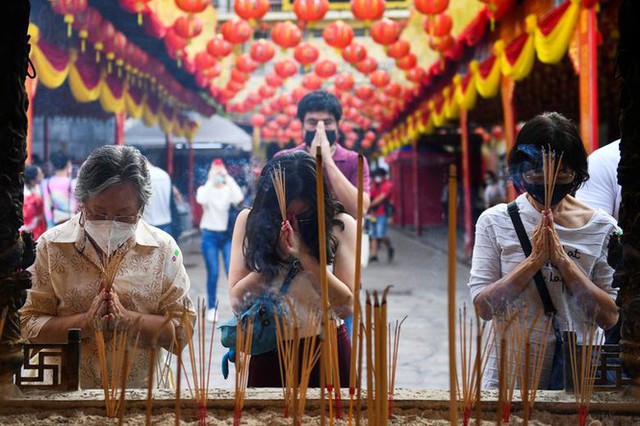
(320,100)
(59,160)
(30,173)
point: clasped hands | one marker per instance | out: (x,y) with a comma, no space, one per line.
(545,243)
(321,140)
(107,308)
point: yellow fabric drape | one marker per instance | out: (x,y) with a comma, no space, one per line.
(488,86)
(79,90)
(552,48)
(48,75)
(133,108)
(465,96)
(108,100)
(149,118)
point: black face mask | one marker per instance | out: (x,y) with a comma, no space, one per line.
(309,136)
(537,192)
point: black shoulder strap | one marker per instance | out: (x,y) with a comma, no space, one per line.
(526,247)
(293,270)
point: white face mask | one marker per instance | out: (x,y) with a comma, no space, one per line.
(109,234)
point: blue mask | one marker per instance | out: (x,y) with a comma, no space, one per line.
(309,136)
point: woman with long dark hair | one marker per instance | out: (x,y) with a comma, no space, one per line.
(264,248)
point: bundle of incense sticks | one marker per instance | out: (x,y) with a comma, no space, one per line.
(199,357)
(244,339)
(531,343)
(111,265)
(393,356)
(507,362)
(550,167)
(585,359)
(278,179)
(115,365)
(474,356)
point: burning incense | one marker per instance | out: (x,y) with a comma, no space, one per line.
(550,169)
(278,179)
(453,400)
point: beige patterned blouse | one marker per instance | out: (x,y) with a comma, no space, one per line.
(66,276)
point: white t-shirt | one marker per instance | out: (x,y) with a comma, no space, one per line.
(158,210)
(497,252)
(216,201)
(602,191)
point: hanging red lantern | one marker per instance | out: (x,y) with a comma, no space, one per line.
(497,9)
(282,120)
(153,26)
(295,125)
(258,120)
(203,60)
(399,49)
(251,10)
(236,31)
(311,82)
(364,92)
(266,91)
(69,8)
(325,68)
(85,21)
(192,6)
(338,34)
(393,89)
(385,31)
(266,109)
(285,68)
(284,100)
(244,63)
(367,10)
(298,93)
(175,44)
(239,76)
(415,74)
(407,62)
(218,47)
(353,53)
(291,110)
(310,10)
(367,65)
(305,53)
(439,26)
(273,80)
(106,31)
(139,7)
(380,78)
(262,51)
(235,86)
(441,44)
(188,27)
(344,81)
(431,7)
(252,99)
(286,34)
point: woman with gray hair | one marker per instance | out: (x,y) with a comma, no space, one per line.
(68,276)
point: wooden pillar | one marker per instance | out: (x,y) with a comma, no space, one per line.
(588,54)
(31,85)
(466,183)
(508,112)
(416,188)
(169,149)
(118,131)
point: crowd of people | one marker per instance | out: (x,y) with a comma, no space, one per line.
(119,208)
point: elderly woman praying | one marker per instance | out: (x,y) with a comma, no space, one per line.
(75,260)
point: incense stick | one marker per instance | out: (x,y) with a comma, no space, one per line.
(451,291)
(244,337)
(278,179)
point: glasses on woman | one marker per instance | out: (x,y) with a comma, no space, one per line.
(537,177)
(125,219)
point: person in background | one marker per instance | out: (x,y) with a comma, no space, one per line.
(33,206)
(569,244)
(494,191)
(217,196)
(381,211)
(150,285)
(59,202)
(266,249)
(158,210)
(602,190)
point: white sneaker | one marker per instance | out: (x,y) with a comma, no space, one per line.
(211,315)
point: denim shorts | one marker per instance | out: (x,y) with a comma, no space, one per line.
(378,228)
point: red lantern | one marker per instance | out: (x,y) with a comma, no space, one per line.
(258,120)
(188,27)
(385,31)
(153,26)
(262,51)
(354,53)
(285,68)
(282,120)
(366,143)
(415,74)
(273,80)
(69,8)
(235,86)
(291,110)
(284,100)
(138,7)
(399,49)
(367,65)
(251,9)
(192,6)
(85,21)
(252,99)
(344,81)
(442,44)
(286,34)
(325,68)
(298,93)
(393,89)
(438,26)
(175,44)
(310,10)
(236,31)
(380,78)
(431,7)
(239,76)
(244,63)
(312,82)
(295,125)
(305,53)
(266,91)
(203,60)
(497,9)
(266,109)
(407,62)
(364,92)
(367,10)
(218,47)
(338,34)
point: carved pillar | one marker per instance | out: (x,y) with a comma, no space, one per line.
(629,296)
(16,252)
